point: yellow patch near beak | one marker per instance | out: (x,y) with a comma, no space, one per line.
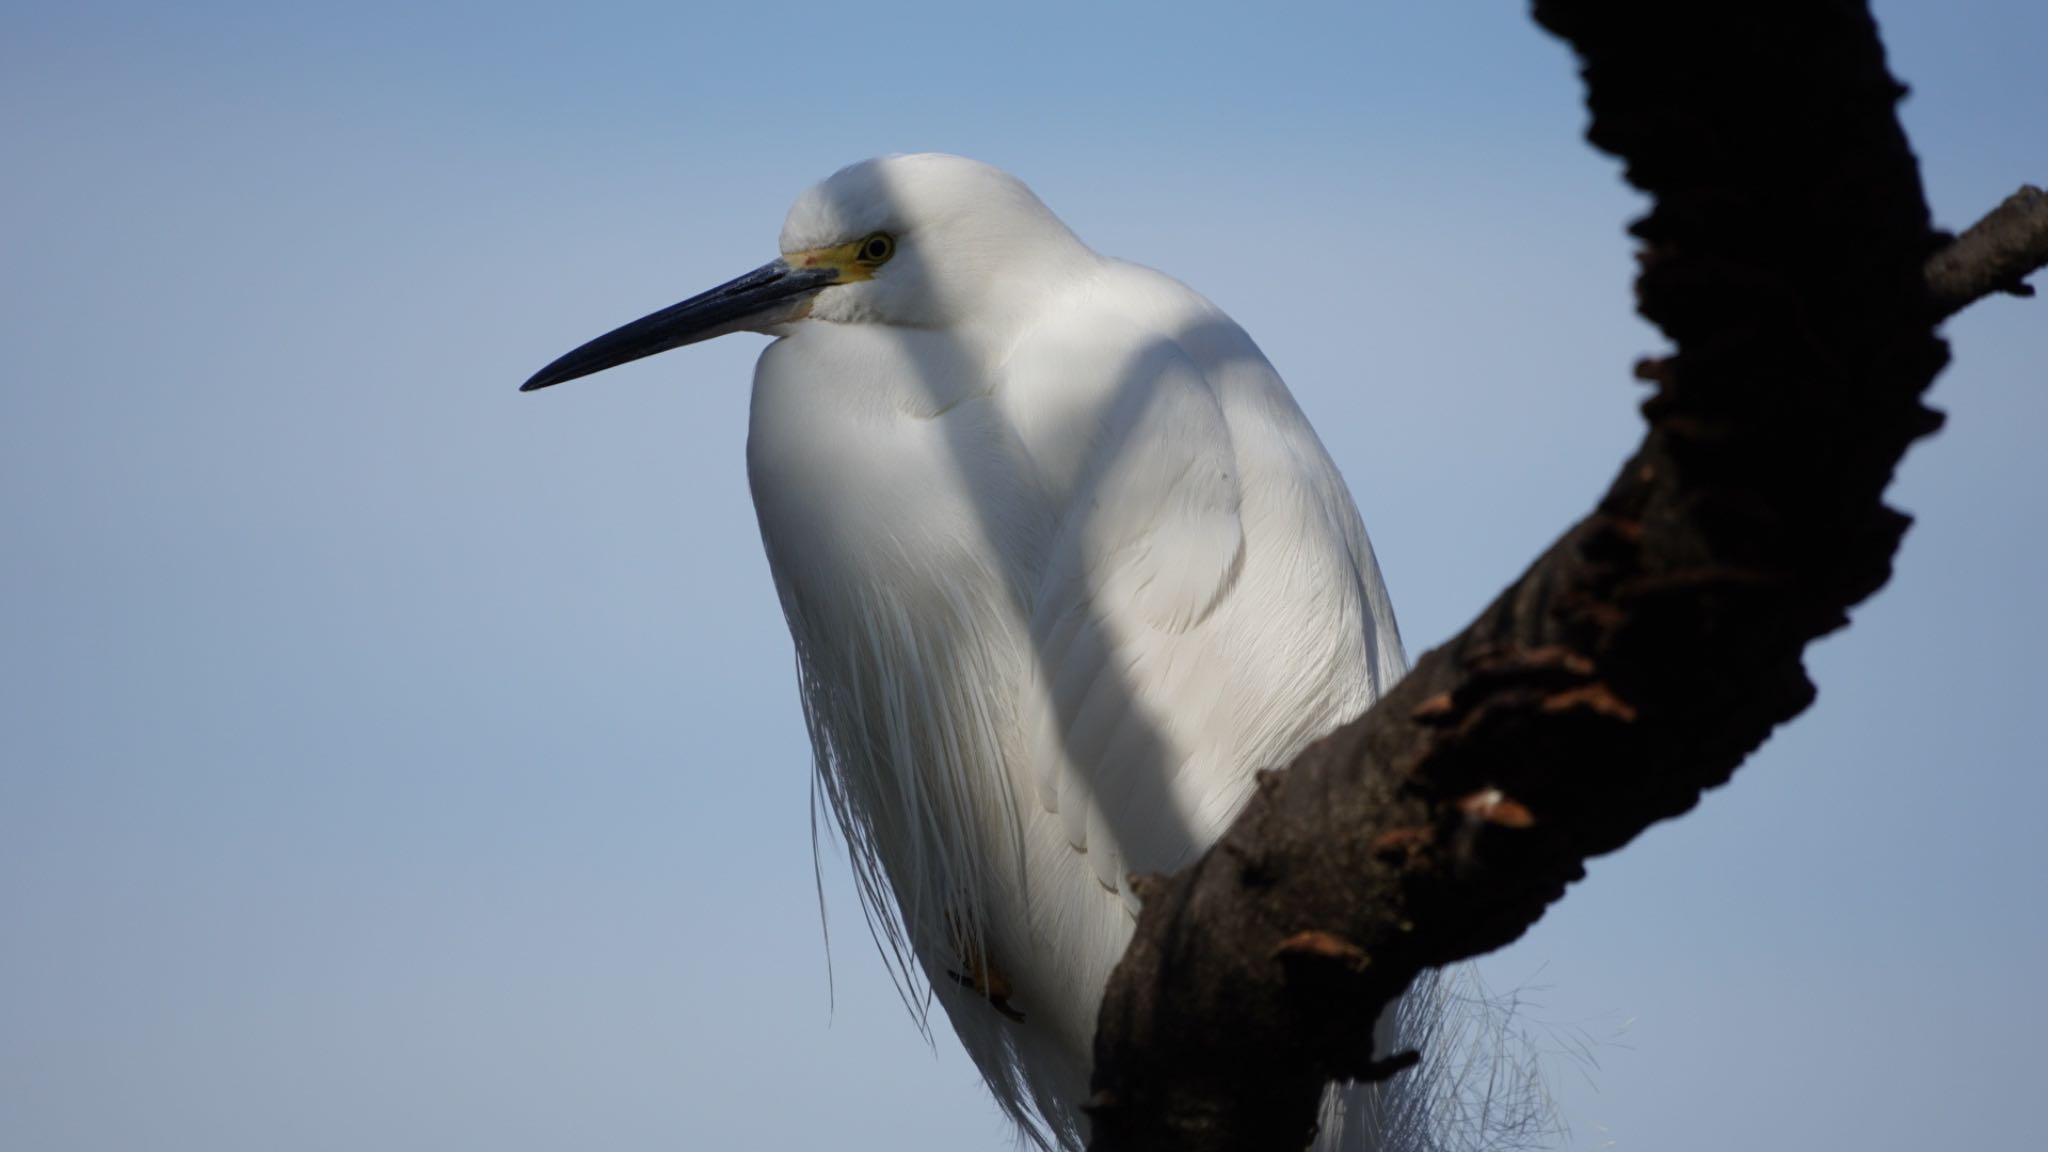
(845,258)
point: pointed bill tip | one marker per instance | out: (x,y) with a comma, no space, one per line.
(767,295)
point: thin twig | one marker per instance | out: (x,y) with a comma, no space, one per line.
(1997,254)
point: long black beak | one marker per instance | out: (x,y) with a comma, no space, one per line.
(769,294)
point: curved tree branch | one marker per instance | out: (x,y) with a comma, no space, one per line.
(1655,645)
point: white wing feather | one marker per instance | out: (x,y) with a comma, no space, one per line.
(1208,606)
(1150,544)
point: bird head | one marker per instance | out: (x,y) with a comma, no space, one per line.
(920,241)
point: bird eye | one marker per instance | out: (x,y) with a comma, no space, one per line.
(876,249)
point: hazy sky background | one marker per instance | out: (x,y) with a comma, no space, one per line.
(392,761)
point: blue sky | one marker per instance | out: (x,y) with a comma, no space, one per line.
(389,760)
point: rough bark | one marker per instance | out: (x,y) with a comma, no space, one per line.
(1655,645)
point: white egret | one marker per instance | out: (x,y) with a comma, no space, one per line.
(1064,565)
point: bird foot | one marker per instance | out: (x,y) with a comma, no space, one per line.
(983,977)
